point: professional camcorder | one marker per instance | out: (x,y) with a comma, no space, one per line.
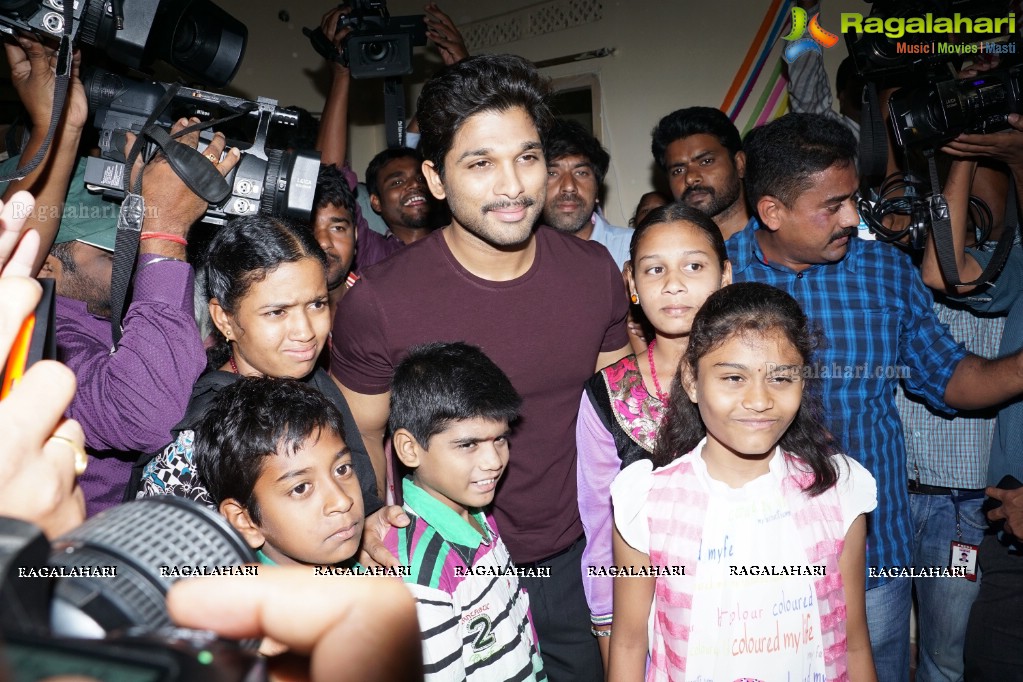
(919,46)
(194,36)
(93,603)
(931,115)
(379,45)
(272,182)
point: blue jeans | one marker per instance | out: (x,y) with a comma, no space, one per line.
(943,604)
(888,621)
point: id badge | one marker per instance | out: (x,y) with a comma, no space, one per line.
(964,559)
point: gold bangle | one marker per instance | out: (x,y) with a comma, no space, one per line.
(81,457)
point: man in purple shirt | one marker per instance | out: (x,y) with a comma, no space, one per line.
(128,397)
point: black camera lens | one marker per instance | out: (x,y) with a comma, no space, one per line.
(378,50)
(205,42)
(138,538)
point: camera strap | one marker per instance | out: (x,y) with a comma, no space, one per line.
(941,227)
(873,138)
(60,88)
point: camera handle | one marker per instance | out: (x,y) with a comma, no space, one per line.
(941,226)
(394,111)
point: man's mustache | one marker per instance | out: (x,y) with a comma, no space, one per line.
(502,205)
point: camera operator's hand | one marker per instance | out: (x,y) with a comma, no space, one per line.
(445,35)
(981,64)
(353,628)
(33,74)
(39,448)
(171,207)
(1011,509)
(328,24)
(33,67)
(1005,146)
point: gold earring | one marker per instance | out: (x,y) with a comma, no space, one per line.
(635,299)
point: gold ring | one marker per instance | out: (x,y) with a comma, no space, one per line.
(214,159)
(81,458)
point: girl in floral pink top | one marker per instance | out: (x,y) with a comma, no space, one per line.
(742,555)
(677,260)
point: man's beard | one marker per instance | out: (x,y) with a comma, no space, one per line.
(718,204)
(569,223)
(419,220)
(496,233)
(95,296)
(335,272)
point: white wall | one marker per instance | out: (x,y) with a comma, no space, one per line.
(668,54)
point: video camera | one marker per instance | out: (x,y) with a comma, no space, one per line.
(927,117)
(267,181)
(94,603)
(379,45)
(195,36)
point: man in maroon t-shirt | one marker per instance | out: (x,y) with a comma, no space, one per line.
(548,308)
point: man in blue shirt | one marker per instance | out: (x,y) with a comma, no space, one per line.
(877,319)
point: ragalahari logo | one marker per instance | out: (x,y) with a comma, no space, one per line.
(798,44)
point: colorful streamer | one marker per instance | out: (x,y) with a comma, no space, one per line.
(773,98)
(753,63)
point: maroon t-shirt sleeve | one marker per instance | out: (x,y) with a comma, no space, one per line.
(616,335)
(358,347)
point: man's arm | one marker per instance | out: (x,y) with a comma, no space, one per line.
(332,140)
(33,76)
(130,398)
(957,193)
(449,43)
(977,383)
(371,413)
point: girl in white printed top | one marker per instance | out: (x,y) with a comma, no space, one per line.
(750,535)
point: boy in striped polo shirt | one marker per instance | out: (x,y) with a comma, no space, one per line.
(451,407)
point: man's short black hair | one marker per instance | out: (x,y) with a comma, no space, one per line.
(255,418)
(381,160)
(783,154)
(332,189)
(570,138)
(694,121)
(475,85)
(441,383)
